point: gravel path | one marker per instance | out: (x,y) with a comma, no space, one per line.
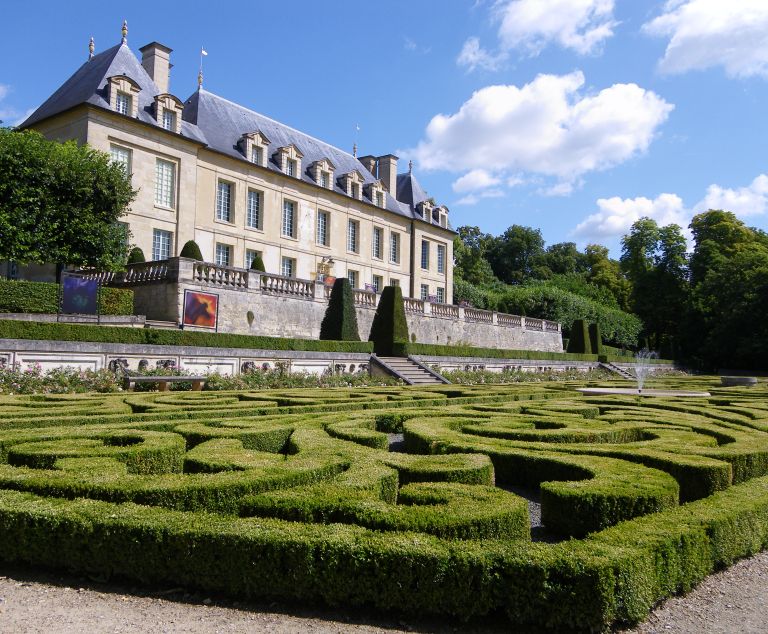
(735,600)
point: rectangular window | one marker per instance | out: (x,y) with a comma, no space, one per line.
(324,178)
(223,254)
(165,183)
(353,230)
(377,282)
(322,228)
(121,156)
(441,258)
(289,219)
(440,295)
(290,167)
(424,292)
(161,244)
(355,191)
(394,248)
(352,277)
(378,238)
(169,120)
(288,267)
(123,103)
(425,254)
(379,199)
(393,281)
(224,201)
(250,255)
(253,209)
(257,155)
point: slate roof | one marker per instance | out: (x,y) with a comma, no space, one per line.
(215,122)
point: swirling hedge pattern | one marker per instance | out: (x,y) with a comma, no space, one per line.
(296,494)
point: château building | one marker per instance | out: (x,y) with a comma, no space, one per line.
(240,184)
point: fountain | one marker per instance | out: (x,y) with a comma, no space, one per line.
(644,366)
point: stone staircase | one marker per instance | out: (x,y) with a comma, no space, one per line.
(615,369)
(409,370)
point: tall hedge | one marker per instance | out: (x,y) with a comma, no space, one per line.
(43,297)
(579,342)
(192,251)
(389,325)
(340,320)
(595,339)
(136,256)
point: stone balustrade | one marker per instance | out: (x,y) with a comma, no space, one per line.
(146,272)
(215,275)
(280,285)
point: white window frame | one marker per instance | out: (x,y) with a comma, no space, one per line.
(288,266)
(123,103)
(122,156)
(224,202)
(288,220)
(377,281)
(394,247)
(165,183)
(353,277)
(425,292)
(353,236)
(253,212)
(161,244)
(257,155)
(291,166)
(223,254)
(376,242)
(425,255)
(441,253)
(440,292)
(250,256)
(393,281)
(323,235)
(169,120)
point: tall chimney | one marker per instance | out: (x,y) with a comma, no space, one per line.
(369,162)
(155,58)
(388,173)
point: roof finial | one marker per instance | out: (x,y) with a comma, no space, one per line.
(91,48)
(124,31)
(200,79)
(410,166)
(354,150)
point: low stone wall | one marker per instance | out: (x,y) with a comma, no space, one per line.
(261,304)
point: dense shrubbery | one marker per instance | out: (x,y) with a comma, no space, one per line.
(389,328)
(340,319)
(486,377)
(43,297)
(191,250)
(56,381)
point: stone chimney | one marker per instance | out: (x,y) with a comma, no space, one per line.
(388,172)
(369,162)
(156,60)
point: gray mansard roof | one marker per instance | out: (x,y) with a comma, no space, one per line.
(215,122)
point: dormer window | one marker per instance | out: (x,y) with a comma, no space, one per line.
(169,120)
(168,111)
(375,191)
(379,199)
(289,160)
(322,173)
(352,184)
(124,95)
(123,103)
(355,191)
(254,146)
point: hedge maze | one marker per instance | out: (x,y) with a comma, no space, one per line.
(295,495)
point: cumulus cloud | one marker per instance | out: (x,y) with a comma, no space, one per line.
(616,215)
(751,200)
(474,56)
(707,33)
(476,179)
(579,25)
(547,127)
(474,198)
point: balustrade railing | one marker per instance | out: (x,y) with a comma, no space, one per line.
(444,310)
(551,326)
(511,321)
(365,298)
(206,273)
(532,323)
(147,272)
(475,314)
(413,305)
(279,285)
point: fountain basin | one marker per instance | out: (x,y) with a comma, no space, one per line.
(633,391)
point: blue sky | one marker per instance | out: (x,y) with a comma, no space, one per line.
(572,116)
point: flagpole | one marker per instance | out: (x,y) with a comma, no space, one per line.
(203,53)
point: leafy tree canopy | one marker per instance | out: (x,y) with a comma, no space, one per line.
(60,202)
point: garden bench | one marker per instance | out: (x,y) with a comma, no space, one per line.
(130,381)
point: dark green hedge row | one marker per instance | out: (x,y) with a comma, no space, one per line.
(18,296)
(112,334)
(612,577)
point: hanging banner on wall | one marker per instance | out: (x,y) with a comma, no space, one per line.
(79,295)
(201,309)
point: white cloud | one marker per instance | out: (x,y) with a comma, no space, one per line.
(9,115)
(476,179)
(616,215)
(474,56)
(546,127)
(579,25)
(474,198)
(751,200)
(4,90)
(707,33)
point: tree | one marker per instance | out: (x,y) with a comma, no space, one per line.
(389,326)
(340,320)
(191,250)
(469,254)
(605,273)
(60,202)
(717,236)
(564,258)
(257,264)
(517,255)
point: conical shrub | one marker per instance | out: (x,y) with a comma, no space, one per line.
(389,325)
(340,320)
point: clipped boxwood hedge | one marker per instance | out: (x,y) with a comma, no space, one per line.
(11,329)
(18,296)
